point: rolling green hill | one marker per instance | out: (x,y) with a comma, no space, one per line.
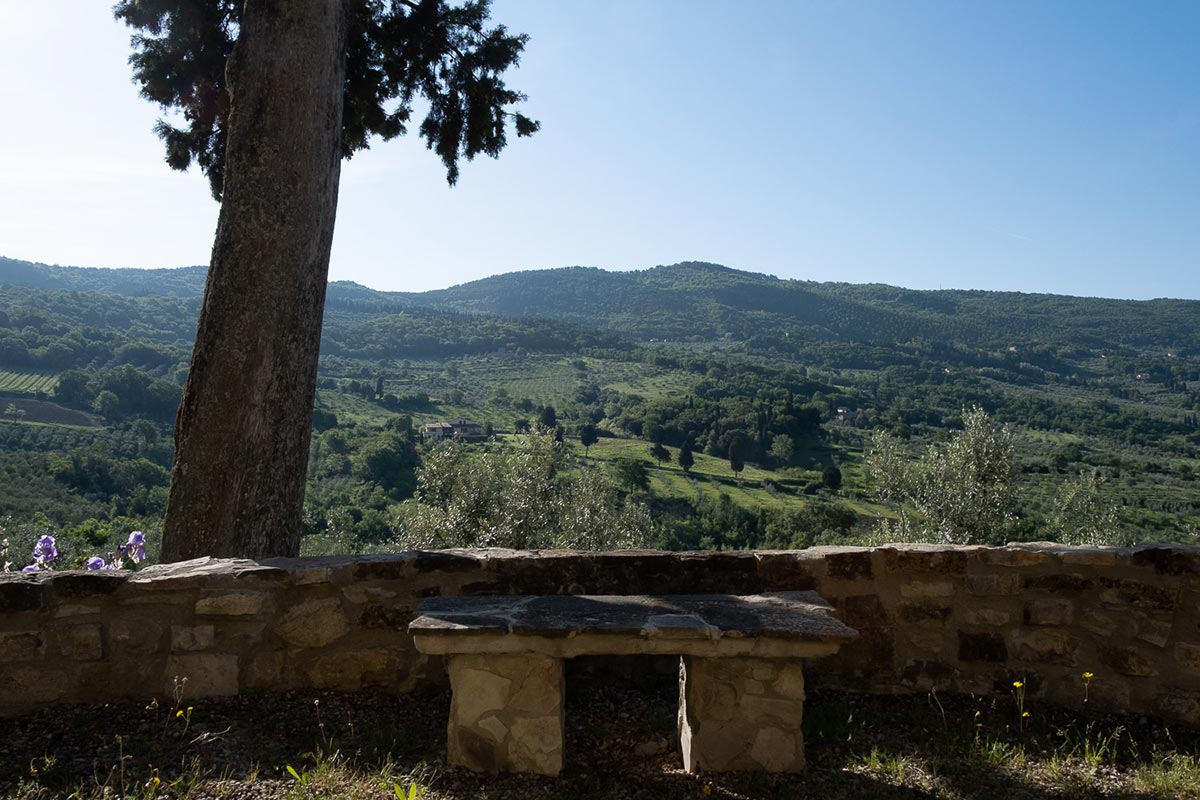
(695,301)
(688,353)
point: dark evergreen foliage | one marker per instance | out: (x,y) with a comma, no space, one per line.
(398,51)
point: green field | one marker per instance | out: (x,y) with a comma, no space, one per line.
(26,382)
(17,408)
(711,477)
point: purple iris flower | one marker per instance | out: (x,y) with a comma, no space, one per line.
(95,562)
(45,550)
(137,546)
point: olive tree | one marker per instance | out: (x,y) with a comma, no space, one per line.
(524,495)
(961,492)
(1081,515)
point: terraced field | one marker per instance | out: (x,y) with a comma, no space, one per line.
(26,382)
(548,384)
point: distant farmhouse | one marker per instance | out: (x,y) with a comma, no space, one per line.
(461,429)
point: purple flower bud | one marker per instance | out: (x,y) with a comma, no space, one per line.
(95,562)
(31,568)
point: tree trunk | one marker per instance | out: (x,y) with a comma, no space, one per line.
(242,433)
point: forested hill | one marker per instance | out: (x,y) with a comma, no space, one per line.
(695,301)
(184,281)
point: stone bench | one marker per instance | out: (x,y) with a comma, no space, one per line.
(741,691)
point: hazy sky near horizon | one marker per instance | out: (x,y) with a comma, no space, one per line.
(1032,146)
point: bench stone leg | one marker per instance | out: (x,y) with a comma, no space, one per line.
(506,714)
(741,714)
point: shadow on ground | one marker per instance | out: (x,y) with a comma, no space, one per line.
(620,744)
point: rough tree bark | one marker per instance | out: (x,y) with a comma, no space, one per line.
(244,423)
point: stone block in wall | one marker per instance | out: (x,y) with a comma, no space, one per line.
(1023,555)
(22,646)
(32,684)
(1125,660)
(915,589)
(849,564)
(1045,647)
(985,647)
(1092,557)
(79,609)
(1108,693)
(1153,631)
(354,669)
(67,586)
(789,571)
(1123,593)
(1168,560)
(441,562)
(190,638)
(1058,582)
(309,575)
(1188,656)
(925,612)
(379,617)
(1003,682)
(924,625)
(923,675)
(993,584)
(315,623)
(928,640)
(1098,622)
(156,599)
(1179,703)
(234,604)
(21,594)
(866,662)
(363,594)
(929,559)
(263,670)
(1050,612)
(239,634)
(983,616)
(134,636)
(208,674)
(81,642)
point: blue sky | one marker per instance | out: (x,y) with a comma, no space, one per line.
(1034,146)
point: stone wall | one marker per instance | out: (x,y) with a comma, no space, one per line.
(969,619)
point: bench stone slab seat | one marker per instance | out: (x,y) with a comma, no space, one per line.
(741,678)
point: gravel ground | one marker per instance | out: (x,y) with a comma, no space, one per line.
(620,744)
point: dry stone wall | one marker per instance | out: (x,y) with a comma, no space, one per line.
(965,619)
